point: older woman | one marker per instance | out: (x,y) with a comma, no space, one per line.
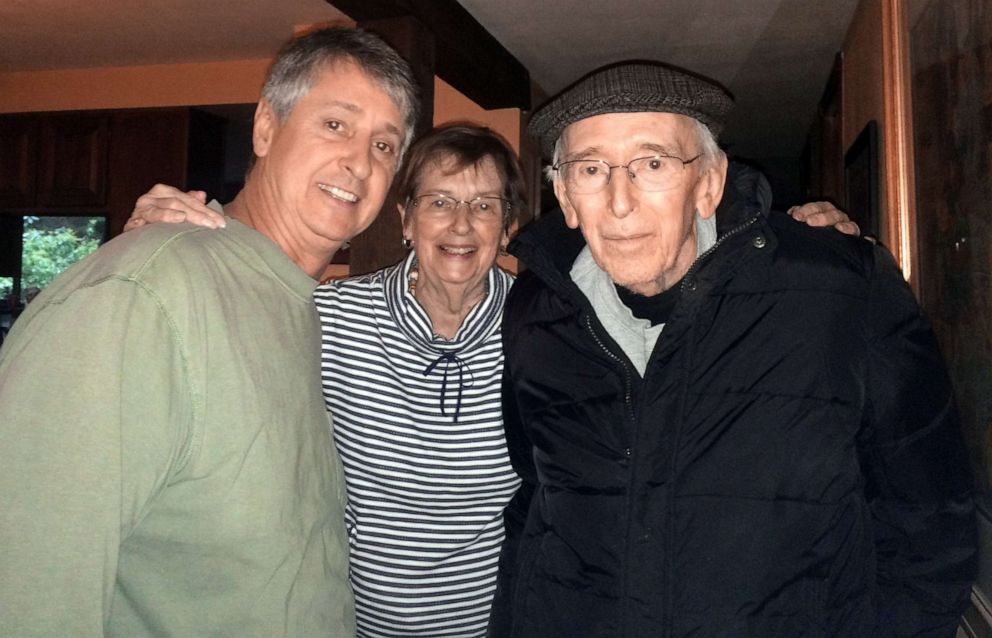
(412,369)
(412,366)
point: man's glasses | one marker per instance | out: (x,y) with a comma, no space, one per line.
(481,208)
(652,174)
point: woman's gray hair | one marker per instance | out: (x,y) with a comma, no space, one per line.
(301,60)
(708,148)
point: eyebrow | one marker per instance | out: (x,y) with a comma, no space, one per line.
(661,149)
(583,154)
(351,107)
(395,130)
(448,193)
(657,149)
(348,106)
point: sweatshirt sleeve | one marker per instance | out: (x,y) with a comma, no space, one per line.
(918,480)
(94,413)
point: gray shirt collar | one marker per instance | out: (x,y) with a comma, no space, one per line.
(636,337)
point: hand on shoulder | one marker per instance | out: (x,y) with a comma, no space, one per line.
(167,204)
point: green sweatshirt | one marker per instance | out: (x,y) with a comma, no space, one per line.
(166,463)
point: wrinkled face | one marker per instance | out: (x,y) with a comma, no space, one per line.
(645,241)
(456,248)
(328,167)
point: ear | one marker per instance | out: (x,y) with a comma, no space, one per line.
(403,219)
(709,189)
(571,217)
(264,129)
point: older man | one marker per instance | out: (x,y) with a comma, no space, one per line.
(727,423)
(166,466)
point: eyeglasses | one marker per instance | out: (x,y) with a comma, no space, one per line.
(481,208)
(651,174)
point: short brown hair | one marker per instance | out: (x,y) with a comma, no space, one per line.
(465,145)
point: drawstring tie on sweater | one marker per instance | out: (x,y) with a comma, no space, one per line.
(449,359)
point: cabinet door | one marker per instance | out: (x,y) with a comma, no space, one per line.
(18,160)
(73,161)
(149,146)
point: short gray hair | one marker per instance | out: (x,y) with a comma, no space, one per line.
(302,59)
(708,148)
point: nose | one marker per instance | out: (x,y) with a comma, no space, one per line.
(622,196)
(461,219)
(357,156)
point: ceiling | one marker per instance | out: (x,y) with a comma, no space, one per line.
(774,55)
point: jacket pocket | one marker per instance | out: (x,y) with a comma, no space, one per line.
(522,601)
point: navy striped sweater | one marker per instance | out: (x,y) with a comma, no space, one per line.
(418,425)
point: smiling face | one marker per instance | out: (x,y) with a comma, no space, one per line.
(456,250)
(645,241)
(326,170)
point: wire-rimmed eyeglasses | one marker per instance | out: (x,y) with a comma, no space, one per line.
(652,174)
(483,208)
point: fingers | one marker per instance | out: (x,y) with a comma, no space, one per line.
(825,214)
(169,205)
(818,214)
(848,228)
(133,222)
(193,205)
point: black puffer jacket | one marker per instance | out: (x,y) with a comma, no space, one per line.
(790,464)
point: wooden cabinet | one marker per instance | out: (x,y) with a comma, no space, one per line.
(18,160)
(72,161)
(53,161)
(99,162)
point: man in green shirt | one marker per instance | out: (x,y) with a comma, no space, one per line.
(166,465)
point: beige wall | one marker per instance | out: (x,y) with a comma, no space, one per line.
(862,77)
(862,84)
(233,82)
(450,105)
(230,82)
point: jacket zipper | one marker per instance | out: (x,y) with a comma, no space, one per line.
(629,404)
(722,238)
(670,514)
(627,383)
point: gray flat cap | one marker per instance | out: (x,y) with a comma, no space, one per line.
(631,87)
